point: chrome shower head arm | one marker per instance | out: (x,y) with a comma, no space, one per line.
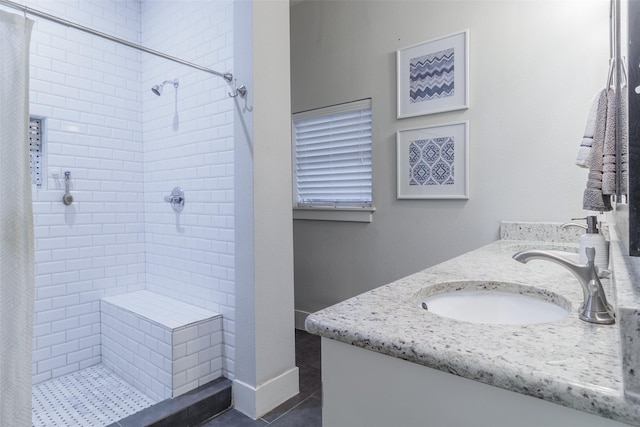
(174,82)
(157,89)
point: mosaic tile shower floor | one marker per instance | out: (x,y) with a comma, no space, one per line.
(93,397)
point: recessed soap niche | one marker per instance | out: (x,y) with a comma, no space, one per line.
(36,151)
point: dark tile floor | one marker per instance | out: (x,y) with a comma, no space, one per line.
(305,409)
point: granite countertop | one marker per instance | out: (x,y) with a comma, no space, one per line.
(569,362)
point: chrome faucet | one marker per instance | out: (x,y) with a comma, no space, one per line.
(595,308)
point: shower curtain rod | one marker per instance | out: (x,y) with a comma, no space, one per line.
(227,76)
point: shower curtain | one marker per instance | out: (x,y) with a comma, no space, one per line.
(16,223)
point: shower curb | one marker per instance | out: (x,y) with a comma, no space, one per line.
(188,410)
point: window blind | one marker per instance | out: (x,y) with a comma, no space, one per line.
(332,162)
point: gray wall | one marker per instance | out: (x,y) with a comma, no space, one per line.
(534,67)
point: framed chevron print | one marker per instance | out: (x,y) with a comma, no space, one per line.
(433,162)
(433,76)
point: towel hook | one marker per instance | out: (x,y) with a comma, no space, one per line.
(623,71)
(238,90)
(612,62)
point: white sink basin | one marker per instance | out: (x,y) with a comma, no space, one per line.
(495,303)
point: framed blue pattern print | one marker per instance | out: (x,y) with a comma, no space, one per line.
(433,162)
(433,76)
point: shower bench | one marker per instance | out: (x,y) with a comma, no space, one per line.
(161,346)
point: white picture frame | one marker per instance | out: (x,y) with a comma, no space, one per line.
(433,76)
(433,162)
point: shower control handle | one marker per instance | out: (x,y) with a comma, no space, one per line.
(67,198)
(176,199)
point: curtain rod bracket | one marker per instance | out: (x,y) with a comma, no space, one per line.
(238,90)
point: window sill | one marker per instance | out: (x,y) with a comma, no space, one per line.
(334,214)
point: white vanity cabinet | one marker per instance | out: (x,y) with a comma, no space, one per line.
(362,388)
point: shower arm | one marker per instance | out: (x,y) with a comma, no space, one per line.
(25,9)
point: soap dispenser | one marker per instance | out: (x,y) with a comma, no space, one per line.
(594,239)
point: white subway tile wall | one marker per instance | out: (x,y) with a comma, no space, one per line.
(126,149)
(188,142)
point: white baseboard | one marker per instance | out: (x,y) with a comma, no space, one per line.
(255,401)
(301,316)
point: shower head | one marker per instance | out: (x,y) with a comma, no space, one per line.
(157,89)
